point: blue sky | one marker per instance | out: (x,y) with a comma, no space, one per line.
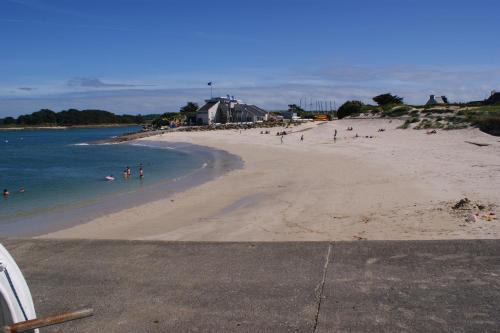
(153,56)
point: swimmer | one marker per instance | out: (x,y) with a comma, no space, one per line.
(109,178)
(21,189)
(6,193)
(141,175)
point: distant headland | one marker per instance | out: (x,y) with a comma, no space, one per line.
(73,118)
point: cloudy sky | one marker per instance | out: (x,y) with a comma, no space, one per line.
(154,56)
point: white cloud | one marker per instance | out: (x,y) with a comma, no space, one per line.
(269,90)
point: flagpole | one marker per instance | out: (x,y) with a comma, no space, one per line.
(211,89)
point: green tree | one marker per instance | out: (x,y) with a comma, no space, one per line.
(8,121)
(44,116)
(388,98)
(349,108)
(295,108)
(189,107)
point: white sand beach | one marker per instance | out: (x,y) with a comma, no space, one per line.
(399,184)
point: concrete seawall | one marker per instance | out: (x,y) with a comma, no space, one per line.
(365,286)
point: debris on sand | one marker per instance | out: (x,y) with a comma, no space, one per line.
(471,218)
(462,204)
(473,212)
(478,144)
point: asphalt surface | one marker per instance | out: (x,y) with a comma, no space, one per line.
(363,286)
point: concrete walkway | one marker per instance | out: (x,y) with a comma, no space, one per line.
(365,286)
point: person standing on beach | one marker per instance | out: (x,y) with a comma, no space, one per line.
(335,135)
(302,137)
(281,138)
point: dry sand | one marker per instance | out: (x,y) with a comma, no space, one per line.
(400,184)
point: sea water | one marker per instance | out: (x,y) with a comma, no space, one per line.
(64,168)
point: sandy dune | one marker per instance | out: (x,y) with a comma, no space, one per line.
(400,184)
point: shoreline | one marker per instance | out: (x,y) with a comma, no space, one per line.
(216,163)
(398,184)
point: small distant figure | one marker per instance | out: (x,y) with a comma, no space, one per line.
(6,193)
(357,136)
(125,174)
(110,178)
(128,171)
(21,189)
(335,135)
(281,139)
(302,137)
(141,173)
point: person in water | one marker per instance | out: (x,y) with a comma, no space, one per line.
(6,193)
(128,171)
(141,174)
(21,189)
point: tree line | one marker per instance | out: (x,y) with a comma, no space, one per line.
(186,114)
(72,117)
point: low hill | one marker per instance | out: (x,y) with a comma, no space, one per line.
(72,117)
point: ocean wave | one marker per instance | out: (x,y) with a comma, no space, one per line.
(151,146)
(107,143)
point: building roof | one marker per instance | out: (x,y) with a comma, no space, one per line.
(206,107)
(437,100)
(250,109)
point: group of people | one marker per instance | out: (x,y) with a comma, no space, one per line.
(6,192)
(127,172)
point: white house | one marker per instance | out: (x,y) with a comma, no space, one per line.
(229,110)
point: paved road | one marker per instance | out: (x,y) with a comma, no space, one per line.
(365,286)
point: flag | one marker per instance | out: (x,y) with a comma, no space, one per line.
(209,83)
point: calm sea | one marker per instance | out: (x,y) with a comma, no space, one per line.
(60,169)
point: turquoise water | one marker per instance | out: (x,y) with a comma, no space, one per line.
(60,169)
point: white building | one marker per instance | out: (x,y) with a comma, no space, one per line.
(225,110)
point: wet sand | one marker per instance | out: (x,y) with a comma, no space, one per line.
(398,184)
